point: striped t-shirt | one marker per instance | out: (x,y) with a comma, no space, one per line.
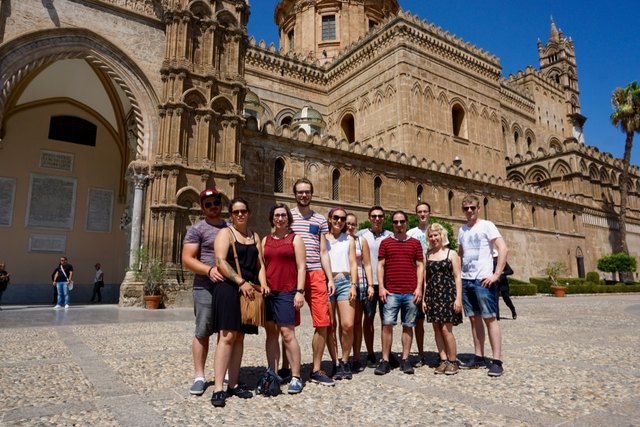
(310,229)
(400,256)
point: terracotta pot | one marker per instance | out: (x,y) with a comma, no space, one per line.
(152,302)
(559,291)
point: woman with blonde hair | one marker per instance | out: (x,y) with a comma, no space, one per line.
(443,296)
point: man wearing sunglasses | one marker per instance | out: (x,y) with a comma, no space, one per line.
(477,239)
(374,236)
(400,276)
(199,257)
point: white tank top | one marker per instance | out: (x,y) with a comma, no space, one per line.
(339,254)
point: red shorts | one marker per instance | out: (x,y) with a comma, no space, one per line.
(317,297)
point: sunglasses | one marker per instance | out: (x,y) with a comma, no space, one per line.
(214,203)
(399,221)
(376,216)
(239,212)
(469,208)
(339,218)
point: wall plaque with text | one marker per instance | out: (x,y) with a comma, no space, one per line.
(99,210)
(7,196)
(52,201)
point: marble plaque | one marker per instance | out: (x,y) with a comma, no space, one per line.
(99,210)
(7,196)
(47,243)
(52,201)
(56,160)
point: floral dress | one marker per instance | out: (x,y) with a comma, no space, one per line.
(441,293)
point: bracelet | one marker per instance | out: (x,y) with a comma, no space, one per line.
(354,285)
(209,272)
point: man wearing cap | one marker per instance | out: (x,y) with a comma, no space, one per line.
(198,256)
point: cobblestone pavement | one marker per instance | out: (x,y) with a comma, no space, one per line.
(568,361)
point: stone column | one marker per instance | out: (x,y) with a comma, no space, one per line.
(139,175)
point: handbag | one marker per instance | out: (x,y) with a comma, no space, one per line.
(70,285)
(69,282)
(252,311)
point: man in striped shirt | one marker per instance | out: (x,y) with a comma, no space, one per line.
(312,227)
(400,277)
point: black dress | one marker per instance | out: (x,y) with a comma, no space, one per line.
(226,298)
(441,293)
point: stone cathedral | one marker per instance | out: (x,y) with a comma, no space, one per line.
(115,114)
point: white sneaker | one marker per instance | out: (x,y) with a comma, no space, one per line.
(57,307)
(66,307)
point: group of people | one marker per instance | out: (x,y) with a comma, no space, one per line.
(345,276)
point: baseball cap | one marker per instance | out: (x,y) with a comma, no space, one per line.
(209,192)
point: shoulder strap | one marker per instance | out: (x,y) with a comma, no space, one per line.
(235,253)
(448,250)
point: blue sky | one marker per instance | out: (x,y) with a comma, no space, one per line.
(606,41)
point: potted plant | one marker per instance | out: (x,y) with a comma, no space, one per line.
(553,271)
(152,274)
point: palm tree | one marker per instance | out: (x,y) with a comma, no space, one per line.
(626,102)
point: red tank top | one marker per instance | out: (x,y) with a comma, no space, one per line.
(280,262)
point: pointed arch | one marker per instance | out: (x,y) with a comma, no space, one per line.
(537,174)
(560,168)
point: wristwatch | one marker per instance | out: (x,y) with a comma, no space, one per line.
(300,291)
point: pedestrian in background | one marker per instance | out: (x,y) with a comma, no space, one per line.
(62,277)
(4,280)
(98,283)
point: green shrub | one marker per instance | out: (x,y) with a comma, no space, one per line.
(514,281)
(522,289)
(617,263)
(593,277)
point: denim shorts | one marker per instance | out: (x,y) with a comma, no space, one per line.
(402,303)
(478,300)
(343,287)
(202,301)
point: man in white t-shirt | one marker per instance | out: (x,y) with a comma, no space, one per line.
(476,239)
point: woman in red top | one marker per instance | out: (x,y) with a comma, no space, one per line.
(284,256)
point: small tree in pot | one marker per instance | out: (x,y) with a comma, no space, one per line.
(152,273)
(553,271)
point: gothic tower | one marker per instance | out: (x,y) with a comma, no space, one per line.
(200,116)
(558,61)
(334,24)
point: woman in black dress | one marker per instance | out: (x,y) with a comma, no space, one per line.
(443,296)
(227,320)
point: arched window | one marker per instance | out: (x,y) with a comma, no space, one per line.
(285,121)
(485,208)
(459,124)
(348,127)
(555,219)
(450,200)
(278,176)
(335,185)
(419,192)
(533,216)
(377,190)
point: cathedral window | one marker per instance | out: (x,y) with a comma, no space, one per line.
(335,185)
(419,192)
(450,200)
(485,208)
(459,125)
(513,213)
(348,128)
(278,176)
(291,38)
(377,190)
(329,27)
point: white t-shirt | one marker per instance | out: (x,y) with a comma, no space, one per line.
(477,244)
(421,236)
(374,241)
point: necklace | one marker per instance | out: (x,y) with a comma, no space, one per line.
(245,235)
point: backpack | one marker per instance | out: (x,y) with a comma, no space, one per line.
(269,384)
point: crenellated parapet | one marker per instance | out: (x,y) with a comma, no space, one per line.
(149,8)
(518,97)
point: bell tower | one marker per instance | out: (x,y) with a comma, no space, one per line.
(558,61)
(319,29)
(200,116)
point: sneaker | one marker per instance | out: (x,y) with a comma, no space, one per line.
(393,361)
(57,307)
(514,315)
(197,389)
(320,377)
(495,368)
(451,368)
(371,361)
(475,363)
(336,372)
(295,386)
(441,368)
(284,374)
(66,307)
(383,368)
(218,399)
(346,371)
(356,366)
(406,367)
(240,391)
